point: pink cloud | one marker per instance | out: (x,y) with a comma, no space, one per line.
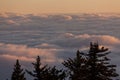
(13,57)
(23,52)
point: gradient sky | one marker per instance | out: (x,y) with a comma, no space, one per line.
(60,6)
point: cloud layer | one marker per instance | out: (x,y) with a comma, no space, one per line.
(54,37)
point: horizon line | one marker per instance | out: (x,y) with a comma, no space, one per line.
(61,12)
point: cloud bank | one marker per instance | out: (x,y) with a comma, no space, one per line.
(54,37)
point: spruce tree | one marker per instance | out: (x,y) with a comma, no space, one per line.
(76,67)
(18,73)
(55,74)
(94,65)
(99,67)
(40,72)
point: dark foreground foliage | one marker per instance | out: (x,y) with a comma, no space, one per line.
(41,72)
(18,73)
(93,65)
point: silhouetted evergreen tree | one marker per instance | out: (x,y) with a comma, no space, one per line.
(99,67)
(41,72)
(93,65)
(55,74)
(18,73)
(76,67)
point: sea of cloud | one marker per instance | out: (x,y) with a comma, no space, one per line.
(54,38)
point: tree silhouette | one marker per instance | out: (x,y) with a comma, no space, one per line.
(93,65)
(41,72)
(55,74)
(18,73)
(76,67)
(99,67)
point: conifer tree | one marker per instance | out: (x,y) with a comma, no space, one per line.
(76,67)
(55,74)
(18,73)
(94,65)
(99,67)
(40,72)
